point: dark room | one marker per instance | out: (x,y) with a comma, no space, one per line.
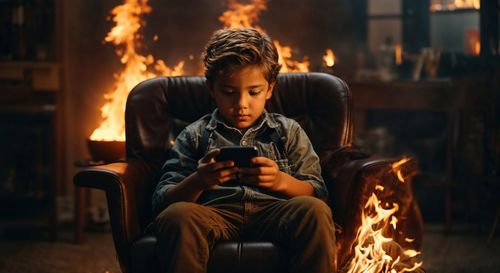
(228,136)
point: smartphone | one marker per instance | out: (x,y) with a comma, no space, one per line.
(241,155)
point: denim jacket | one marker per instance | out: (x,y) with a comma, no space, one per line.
(295,157)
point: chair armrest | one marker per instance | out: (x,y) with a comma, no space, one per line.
(356,180)
(126,188)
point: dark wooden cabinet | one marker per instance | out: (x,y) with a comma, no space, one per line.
(30,119)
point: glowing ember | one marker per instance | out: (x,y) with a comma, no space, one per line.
(125,36)
(329,58)
(370,251)
(247,15)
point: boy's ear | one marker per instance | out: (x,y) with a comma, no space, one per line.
(210,87)
(270,90)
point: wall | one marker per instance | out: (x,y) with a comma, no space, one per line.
(183,28)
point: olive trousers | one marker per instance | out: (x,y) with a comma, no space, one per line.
(186,232)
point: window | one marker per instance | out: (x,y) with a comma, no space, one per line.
(384,23)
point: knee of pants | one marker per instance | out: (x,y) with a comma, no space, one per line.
(312,208)
(177,216)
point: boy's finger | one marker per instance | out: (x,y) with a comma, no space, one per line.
(221,165)
(255,171)
(215,166)
(260,160)
(228,172)
(228,178)
(208,157)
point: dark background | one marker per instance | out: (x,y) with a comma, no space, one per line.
(54,124)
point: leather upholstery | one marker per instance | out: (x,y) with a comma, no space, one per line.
(158,109)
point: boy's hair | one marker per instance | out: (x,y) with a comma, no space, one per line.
(230,49)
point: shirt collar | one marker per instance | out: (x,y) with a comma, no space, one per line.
(265,118)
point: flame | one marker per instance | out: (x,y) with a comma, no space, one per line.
(398,54)
(241,15)
(477,48)
(369,253)
(288,64)
(396,168)
(409,240)
(247,15)
(329,58)
(455,4)
(125,36)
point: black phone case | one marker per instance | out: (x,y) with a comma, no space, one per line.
(241,155)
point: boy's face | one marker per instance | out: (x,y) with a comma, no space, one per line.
(241,96)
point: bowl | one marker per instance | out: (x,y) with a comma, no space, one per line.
(107,151)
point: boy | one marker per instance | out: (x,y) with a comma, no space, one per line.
(200,201)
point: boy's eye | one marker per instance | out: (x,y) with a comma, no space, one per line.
(254,92)
(227,91)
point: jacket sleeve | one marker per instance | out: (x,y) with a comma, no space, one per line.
(303,160)
(182,162)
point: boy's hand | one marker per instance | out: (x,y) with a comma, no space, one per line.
(211,173)
(265,174)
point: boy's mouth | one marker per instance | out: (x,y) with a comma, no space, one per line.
(242,117)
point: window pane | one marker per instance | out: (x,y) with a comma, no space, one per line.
(384,7)
(379,30)
(453,38)
(440,5)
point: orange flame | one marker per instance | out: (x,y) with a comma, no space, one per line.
(241,15)
(369,253)
(125,36)
(329,58)
(456,4)
(477,48)
(138,67)
(247,15)
(398,54)
(396,168)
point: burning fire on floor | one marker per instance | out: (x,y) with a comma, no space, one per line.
(374,250)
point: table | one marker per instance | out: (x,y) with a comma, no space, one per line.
(442,95)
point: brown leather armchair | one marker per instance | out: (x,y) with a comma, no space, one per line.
(158,109)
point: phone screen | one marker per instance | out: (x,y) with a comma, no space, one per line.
(241,155)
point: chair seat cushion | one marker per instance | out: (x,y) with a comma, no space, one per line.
(227,256)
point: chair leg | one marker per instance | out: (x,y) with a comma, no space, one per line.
(81,206)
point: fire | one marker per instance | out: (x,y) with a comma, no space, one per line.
(398,54)
(455,4)
(125,36)
(396,168)
(329,58)
(477,48)
(370,251)
(137,67)
(247,15)
(241,15)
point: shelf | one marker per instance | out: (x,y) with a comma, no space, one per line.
(455,11)
(28,109)
(43,76)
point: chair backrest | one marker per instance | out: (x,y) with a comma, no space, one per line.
(158,109)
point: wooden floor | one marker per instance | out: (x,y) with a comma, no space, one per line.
(462,251)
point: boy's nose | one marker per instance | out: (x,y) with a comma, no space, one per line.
(242,101)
